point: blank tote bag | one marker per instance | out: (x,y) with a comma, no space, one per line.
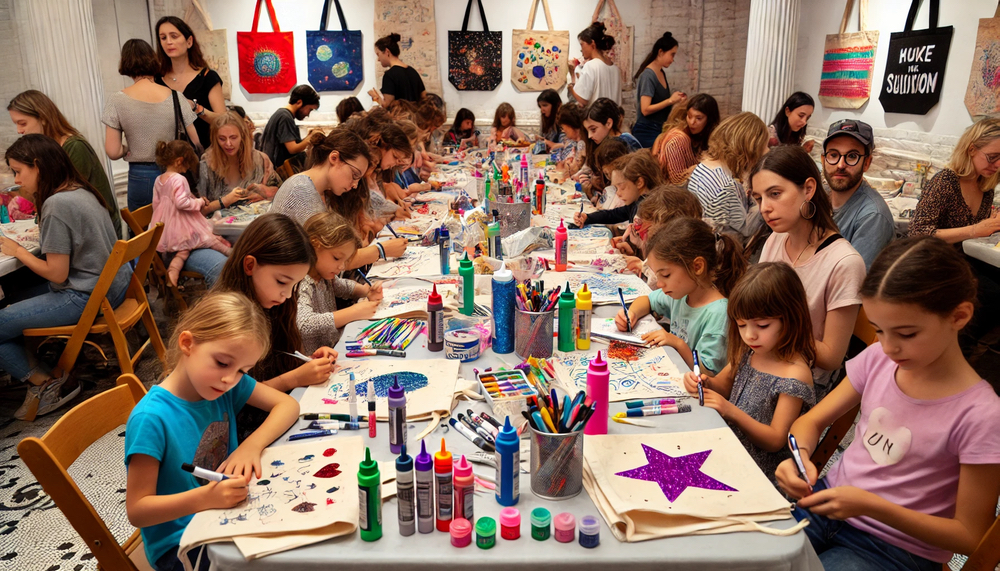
(474,58)
(848,63)
(335,58)
(539,57)
(914,71)
(267,59)
(983,95)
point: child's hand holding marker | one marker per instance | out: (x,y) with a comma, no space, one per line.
(375,292)
(790,478)
(243,462)
(225,494)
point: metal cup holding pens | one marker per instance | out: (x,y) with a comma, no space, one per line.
(556,464)
(533,333)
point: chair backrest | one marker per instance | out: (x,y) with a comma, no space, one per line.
(986,557)
(48,458)
(139,219)
(863,329)
(134,384)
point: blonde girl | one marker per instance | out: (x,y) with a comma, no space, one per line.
(503,125)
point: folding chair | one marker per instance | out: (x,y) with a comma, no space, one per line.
(138,222)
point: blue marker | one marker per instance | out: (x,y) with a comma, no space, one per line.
(797,456)
(697,373)
(363,276)
(628,320)
(316,434)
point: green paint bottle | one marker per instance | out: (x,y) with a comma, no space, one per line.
(466,285)
(369,498)
(567,307)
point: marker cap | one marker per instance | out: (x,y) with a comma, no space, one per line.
(424,460)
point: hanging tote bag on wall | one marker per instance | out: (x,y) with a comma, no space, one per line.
(983,95)
(334,58)
(624,37)
(267,59)
(539,57)
(848,63)
(914,70)
(474,58)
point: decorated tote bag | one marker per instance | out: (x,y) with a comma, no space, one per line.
(214,45)
(267,59)
(474,58)
(848,63)
(334,58)
(539,57)
(914,70)
(621,52)
(983,95)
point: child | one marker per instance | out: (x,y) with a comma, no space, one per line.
(767,380)
(184,226)
(570,121)
(18,207)
(632,176)
(662,205)
(189,418)
(921,478)
(463,132)
(595,178)
(503,125)
(347,107)
(695,270)
(549,104)
(603,119)
(320,322)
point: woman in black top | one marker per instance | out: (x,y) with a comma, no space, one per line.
(183,69)
(400,80)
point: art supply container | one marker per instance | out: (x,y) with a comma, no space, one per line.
(590,531)
(514,217)
(397,417)
(533,333)
(461,532)
(486,533)
(556,464)
(506,392)
(565,527)
(510,523)
(541,522)
(463,345)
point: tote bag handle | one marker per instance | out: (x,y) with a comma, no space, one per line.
(912,15)
(326,14)
(270,13)
(482,14)
(531,15)
(862,16)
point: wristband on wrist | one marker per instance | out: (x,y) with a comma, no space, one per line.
(381,250)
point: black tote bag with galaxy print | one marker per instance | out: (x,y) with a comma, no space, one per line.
(474,58)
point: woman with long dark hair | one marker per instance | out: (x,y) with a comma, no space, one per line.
(652,91)
(685,136)
(790,122)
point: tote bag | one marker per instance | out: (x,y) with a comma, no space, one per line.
(474,58)
(267,59)
(335,58)
(621,52)
(983,94)
(914,71)
(848,63)
(539,57)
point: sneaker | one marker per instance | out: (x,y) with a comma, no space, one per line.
(57,393)
(29,408)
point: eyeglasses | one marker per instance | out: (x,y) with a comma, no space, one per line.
(852,158)
(356,173)
(991,158)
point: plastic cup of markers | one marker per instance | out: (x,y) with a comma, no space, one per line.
(556,464)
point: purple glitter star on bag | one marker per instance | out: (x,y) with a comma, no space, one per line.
(674,475)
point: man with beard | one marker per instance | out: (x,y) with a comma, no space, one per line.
(281,140)
(861,214)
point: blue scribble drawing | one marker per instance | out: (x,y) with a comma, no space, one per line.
(303,470)
(643,375)
(277,463)
(290,496)
(306,458)
(311,487)
(267,510)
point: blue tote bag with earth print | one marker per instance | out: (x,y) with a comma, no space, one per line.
(334,58)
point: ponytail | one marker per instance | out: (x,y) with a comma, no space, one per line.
(596,33)
(390,42)
(664,43)
(683,240)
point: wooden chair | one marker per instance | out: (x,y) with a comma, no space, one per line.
(114,321)
(138,222)
(49,457)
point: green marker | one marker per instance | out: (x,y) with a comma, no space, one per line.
(466,285)
(369,498)
(567,309)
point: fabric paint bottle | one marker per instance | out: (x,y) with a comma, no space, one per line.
(503,310)
(405,504)
(461,532)
(540,194)
(444,249)
(466,285)
(590,531)
(565,527)
(541,524)
(494,231)
(562,247)
(525,177)
(435,321)
(598,380)
(567,307)
(510,523)
(584,314)
(369,498)
(443,487)
(465,489)
(508,462)
(486,186)
(425,490)
(397,416)
(486,533)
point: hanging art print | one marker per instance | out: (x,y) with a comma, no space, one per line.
(848,63)
(335,58)
(539,57)
(474,57)
(914,71)
(983,94)
(267,59)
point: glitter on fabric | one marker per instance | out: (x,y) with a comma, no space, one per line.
(625,351)
(409,381)
(329,452)
(328,471)
(675,474)
(304,507)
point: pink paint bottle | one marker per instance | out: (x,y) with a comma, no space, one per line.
(565,527)
(562,247)
(598,380)
(510,523)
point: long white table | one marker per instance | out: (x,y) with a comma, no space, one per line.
(983,249)
(9,263)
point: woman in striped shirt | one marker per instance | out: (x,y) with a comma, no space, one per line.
(685,136)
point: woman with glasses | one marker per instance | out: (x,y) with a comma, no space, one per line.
(231,169)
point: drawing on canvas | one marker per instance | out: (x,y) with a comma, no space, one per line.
(412,300)
(417,261)
(604,286)
(650,375)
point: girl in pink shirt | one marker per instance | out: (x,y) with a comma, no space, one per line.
(921,478)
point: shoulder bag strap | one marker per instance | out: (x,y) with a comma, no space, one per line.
(847,16)
(326,14)
(482,14)
(531,14)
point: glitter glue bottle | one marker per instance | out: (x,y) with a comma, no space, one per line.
(503,310)
(508,462)
(444,241)
(465,489)
(397,416)
(598,379)
(584,313)
(369,498)
(466,285)
(443,487)
(425,490)
(562,247)
(567,307)
(406,507)
(435,321)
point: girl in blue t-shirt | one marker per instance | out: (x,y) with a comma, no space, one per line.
(695,269)
(190,418)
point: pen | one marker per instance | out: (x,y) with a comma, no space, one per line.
(797,456)
(379,352)
(314,434)
(334,425)
(203,473)
(697,374)
(389,226)
(655,410)
(352,397)
(298,356)
(628,320)
(363,276)
(649,402)
(472,437)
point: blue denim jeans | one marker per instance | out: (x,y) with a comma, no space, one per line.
(171,562)
(42,307)
(141,177)
(843,547)
(646,132)
(206,262)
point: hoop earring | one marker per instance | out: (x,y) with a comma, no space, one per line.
(811,212)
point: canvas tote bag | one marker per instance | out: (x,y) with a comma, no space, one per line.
(474,58)
(335,59)
(914,70)
(267,59)
(539,57)
(983,94)
(848,63)
(624,36)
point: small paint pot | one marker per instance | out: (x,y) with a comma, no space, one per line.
(590,531)
(461,532)
(565,527)
(510,523)
(541,520)
(486,532)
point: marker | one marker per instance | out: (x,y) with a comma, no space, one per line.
(315,434)
(654,410)
(203,473)
(471,436)
(371,408)
(649,402)
(363,276)
(327,416)
(352,396)
(491,420)
(298,356)
(425,490)
(393,232)
(797,456)
(628,320)
(697,374)
(379,352)
(334,425)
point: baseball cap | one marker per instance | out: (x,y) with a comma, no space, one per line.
(858,129)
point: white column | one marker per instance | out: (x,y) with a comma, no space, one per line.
(771,43)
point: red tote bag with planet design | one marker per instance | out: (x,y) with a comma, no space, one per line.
(267,59)
(539,56)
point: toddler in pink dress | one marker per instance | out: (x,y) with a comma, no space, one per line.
(185,228)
